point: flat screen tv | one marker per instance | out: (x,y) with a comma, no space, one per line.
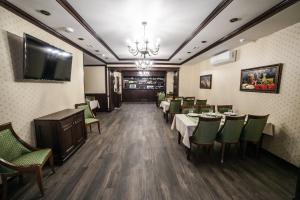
(43,61)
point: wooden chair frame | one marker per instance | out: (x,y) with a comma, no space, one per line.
(37,169)
(90,125)
(208,145)
(224,144)
(258,144)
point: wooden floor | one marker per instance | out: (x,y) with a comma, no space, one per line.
(137,157)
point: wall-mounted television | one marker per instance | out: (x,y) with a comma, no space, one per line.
(43,61)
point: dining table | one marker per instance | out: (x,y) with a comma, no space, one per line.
(185,124)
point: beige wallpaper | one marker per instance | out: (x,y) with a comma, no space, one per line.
(284,108)
(170,81)
(94,79)
(21,102)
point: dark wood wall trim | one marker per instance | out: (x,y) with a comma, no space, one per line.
(205,22)
(65,4)
(102,98)
(68,7)
(94,65)
(120,69)
(7,5)
(267,14)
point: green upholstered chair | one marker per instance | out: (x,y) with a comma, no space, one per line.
(187,109)
(189,98)
(204,108)
(160,97)
(205,133)
(252,131)
(18,157)
(224,108)
(175,108)
(230,132)
(188,103)
(201,102)
(89,117)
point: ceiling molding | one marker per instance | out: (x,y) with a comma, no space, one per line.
(65,4)
(267,14)
(133,63)
(205,22)
(7,5)
(220,7)
(152,69)
(94,65)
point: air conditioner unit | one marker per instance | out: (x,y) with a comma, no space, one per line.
(224,57)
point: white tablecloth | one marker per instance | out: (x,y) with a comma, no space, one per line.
(94,104)
(165,105)
(186,126)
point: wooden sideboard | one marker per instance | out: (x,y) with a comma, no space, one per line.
(64,132)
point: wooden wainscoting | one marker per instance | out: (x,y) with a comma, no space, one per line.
(102,98)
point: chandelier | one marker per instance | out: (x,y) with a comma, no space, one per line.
(143,64)
(143,47)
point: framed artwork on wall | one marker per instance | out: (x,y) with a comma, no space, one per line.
(206,81)
(264,79)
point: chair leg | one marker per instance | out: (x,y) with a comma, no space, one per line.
(188,153)
(4,186)
(222,152)
(51,163)
(39,177)
(21,181)
(244,149)
(179,137)
(99,128)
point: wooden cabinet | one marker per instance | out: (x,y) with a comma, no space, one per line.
(64,132)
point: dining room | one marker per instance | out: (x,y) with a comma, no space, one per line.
(141,99)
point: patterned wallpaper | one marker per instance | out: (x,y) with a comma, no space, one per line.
(284,108)
(21,102)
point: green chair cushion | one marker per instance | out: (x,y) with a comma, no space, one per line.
(87,111)
(11,148)
(32,158)
(90,120)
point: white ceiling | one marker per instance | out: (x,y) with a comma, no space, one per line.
(173,21)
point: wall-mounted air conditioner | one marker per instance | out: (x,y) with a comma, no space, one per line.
(224,57)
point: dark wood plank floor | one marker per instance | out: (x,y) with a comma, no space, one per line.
(137,157)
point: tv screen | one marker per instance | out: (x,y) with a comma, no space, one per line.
(43,61)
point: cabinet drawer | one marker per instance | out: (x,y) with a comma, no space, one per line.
(67,123)
(78,118)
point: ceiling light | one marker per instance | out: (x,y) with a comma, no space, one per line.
(96,50)
(143,47)
(189,52)
(196,47)
(80,38)
(179,58)
(242,40)
(89,45)
(103,55)
(44,12)
(106,58)
(203,41)
(235,19)
(69,29)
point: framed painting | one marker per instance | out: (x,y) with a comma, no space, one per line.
(261,79)
(206,81)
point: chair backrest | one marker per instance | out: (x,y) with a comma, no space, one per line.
(11,148)
(178,98)
(161,96)
(189,98)
(224,108)
(254,127)
(201,102)
(188,103)
(87,110)
(206,130)
(187,109)
(175,106)
(232,129)
(204,108)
